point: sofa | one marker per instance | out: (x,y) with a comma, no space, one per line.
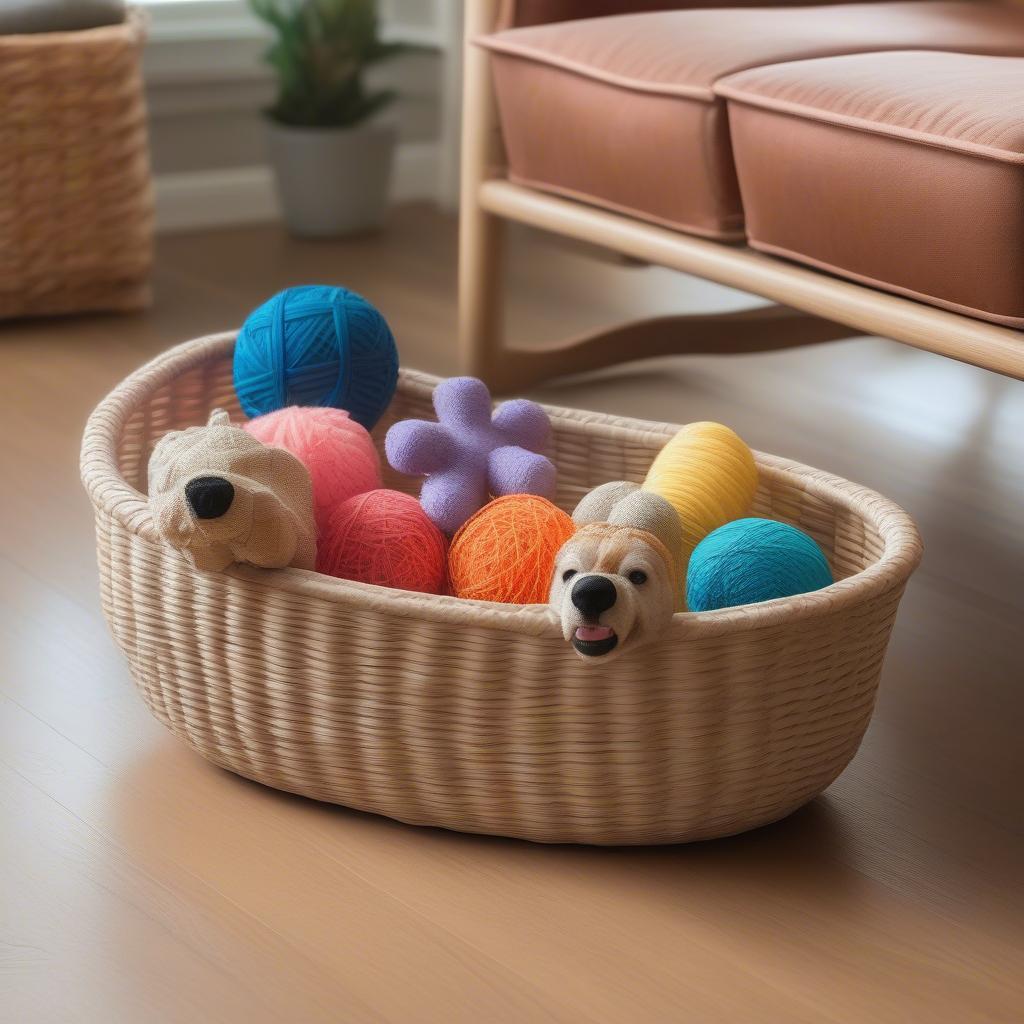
(859,165)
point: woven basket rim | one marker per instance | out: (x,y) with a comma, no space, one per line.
(112,495)
(134,27)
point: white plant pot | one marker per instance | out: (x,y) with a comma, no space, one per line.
(332,181)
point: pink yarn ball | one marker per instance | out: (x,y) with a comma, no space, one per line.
(338,452)
(384,537)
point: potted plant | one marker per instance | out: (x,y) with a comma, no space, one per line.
(332,157)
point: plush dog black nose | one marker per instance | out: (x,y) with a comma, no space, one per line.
(593,595)
(209,496)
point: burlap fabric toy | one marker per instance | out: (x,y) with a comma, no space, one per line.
(221,496)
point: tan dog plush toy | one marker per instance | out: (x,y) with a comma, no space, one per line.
(221,496)
(623,574)
(619,579)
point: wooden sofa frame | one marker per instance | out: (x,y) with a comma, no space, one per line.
(810,306)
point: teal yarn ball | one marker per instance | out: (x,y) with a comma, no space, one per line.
(753,560)
(316,345)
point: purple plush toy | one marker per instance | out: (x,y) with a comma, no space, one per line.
(471,455)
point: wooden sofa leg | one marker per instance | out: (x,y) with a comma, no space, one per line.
(482,348)
(481,233)
(481,293)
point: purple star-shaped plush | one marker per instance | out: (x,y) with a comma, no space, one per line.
(470,455)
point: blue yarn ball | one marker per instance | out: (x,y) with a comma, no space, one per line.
(752,560)
(316,345)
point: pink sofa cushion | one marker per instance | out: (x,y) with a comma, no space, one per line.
(621,111)
(901,170)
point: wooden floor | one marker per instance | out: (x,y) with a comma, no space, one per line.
(138,885)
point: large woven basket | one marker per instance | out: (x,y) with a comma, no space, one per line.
(76,210)
(478,716)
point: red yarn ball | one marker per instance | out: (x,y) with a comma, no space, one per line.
(337,451)
(384,537)
(506,552)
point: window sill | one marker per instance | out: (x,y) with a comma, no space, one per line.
(181,21)
(184,21)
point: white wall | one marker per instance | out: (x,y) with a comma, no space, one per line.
(206,85)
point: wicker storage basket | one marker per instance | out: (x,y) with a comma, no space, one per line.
(76,210)
(478,716)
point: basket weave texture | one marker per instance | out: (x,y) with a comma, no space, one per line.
(76,206)
(478,716)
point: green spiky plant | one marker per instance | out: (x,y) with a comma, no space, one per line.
(320,53)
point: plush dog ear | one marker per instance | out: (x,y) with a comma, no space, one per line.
(597,506)
(279,471)
(210,557)
(274,540)
(644,510)
(281,491)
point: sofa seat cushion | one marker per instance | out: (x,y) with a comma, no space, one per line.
(900,170)
(621,111)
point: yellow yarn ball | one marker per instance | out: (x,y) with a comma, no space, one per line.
(708,475)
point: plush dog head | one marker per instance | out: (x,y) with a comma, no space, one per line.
(221,496)
(617,580)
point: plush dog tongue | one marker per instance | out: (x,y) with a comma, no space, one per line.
(591,633)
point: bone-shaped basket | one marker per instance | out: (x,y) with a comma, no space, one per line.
(478,716)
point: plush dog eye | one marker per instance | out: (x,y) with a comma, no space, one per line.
(637,576)
(568,575)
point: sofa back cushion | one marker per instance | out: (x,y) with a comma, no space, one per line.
(520,13)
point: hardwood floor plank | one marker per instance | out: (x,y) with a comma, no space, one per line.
(100,939)
(326,920)
(141,883)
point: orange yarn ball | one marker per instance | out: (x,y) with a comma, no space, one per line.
(506,551)
(384,537)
